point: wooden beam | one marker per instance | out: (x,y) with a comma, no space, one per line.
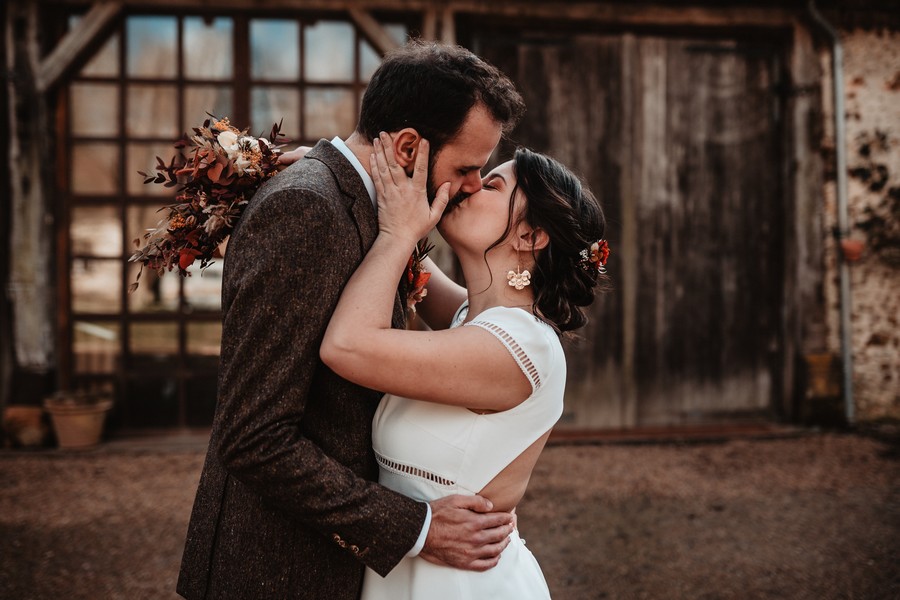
(30,284)
(606,13)
(630,15)
(429,25)
(448,26)
(373,31)
(73,46)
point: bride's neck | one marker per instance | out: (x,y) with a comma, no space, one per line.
(489,287)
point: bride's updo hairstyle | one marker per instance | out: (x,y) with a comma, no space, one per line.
(557,202)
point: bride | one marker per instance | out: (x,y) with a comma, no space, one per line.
(469,404)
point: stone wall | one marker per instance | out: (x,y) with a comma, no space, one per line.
(872,82)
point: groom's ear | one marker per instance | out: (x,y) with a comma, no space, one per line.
(406,148)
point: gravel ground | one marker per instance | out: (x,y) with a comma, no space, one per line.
(812,516)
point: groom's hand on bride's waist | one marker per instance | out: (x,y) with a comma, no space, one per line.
(465,534)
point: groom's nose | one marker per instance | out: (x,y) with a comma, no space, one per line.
(471,183)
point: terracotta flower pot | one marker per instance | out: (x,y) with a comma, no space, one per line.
(852,249)
(78,423)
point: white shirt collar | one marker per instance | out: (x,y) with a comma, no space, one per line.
(366,178)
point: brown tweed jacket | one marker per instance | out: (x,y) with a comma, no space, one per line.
(286,506)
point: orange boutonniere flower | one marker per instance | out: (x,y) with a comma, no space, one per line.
(416,275)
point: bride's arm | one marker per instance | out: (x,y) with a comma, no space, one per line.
(465,366)
(444,296)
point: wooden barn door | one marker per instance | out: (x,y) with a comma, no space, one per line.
(680,141)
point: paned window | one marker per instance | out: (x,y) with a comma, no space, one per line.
(155,77)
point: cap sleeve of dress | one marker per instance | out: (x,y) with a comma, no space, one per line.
(530,341)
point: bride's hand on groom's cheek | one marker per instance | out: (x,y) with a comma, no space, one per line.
(403,208)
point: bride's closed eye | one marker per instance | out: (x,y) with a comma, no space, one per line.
(490,183)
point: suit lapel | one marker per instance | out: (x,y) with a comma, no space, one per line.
(357,199)
(353,191)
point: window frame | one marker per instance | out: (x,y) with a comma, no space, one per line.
(179,369)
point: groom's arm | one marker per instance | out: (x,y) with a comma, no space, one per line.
(286,266)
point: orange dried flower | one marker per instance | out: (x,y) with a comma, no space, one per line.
(177,222)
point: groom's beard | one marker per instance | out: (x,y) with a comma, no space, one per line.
(454,201)
(431,189)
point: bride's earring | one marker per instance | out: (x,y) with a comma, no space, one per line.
(519,279)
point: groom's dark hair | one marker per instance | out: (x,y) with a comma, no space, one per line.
(432,87)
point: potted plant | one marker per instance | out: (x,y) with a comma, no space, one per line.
(852,249)
(77,417)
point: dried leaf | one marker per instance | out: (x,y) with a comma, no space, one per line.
(215,171)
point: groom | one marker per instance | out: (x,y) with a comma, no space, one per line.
(287,506)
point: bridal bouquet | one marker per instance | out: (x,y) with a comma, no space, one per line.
(223,168)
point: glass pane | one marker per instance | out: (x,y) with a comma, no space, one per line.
(201,400)
(208,48)
(142,157)
(95,109)
(95,169)
(106,62)
(150,402)
(152,111)
(203,289)
(95,347)
(271,104)
(274,49)
(96,231)
(202,99)
(369,58)
(398,31)
(154,294)
(204,339)
(329,112)
(140,218)
(96,285)
(328,51)
(151,48)
(153,338)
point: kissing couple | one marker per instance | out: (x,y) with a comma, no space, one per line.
(353,458)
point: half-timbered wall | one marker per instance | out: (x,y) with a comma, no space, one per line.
(872,83)
(701,131)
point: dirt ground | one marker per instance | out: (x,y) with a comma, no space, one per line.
(814,515)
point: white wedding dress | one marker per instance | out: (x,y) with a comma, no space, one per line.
(428,451)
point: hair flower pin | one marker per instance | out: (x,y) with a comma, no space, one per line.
(594,257)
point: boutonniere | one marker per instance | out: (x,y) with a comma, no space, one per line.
(416,275)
